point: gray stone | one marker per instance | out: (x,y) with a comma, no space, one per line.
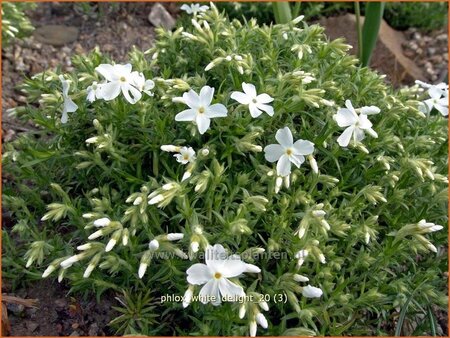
(160,17)
(56,35)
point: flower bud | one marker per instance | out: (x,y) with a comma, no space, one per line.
(174,236)
(253,328)
(300,278)
(242,310)
(102,222)
(261,320)
(187,298)
(153,245)
(311,292)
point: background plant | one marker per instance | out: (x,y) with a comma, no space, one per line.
(367,284)
(15,23)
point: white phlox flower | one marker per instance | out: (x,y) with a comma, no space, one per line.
(186,155)
(356,123)
(311,292)
(201,111)
(142,84)
(194,8)
(287,152)
(438,100)
(68,106)
(120,79)
(94,91)
(215,276)
(256,103)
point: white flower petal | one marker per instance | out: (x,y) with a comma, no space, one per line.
(230,290)
(110,90)
(297,160)
(443,110)
(186,115)
(206,95)
(216,110)
(273,152)
(364,122)
(284,137)
(345,137)
(107,71)
(199,274)
(232,267)
(135,94)
(264,98)
(249,89)
(254,111)
(284,166)
(210,293)
(303,147)
(268,109)
(192,99)
(345,117)
(215,256)
(240,97)
(203,123)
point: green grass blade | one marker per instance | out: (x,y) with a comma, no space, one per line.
(372,22)
(432,321)
(282,12)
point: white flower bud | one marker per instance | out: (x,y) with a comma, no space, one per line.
(69,261)
(92,140)
(174,236)
(158,198)
(48,271)
(325,224)
(96,234)
(263,305)
(278,183)
(367,237)
(318,213)
(186,175)
(142,269)
(322,258)
(287,181)
(195,246)
(138,200)
(170,148)
(205,152)
(252,268)
(88,215)
(242,310)
(153,245)
(168,186)
(253,328)
(298,19)
(210,66)
(300,278)
(261,320)
(187,298)
(83,247)
(311,292)
(431,247)
(313,164)
(112,242)
(88,270)
(102,222)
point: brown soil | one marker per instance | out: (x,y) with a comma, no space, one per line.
(59,314)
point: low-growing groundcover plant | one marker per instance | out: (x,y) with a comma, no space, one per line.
(235,179)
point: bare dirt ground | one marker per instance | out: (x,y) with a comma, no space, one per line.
(115,29)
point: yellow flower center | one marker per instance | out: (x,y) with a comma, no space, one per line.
(217,275)
(289,151)
(123,79)
(254,101)
(201,110)
(186,157)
